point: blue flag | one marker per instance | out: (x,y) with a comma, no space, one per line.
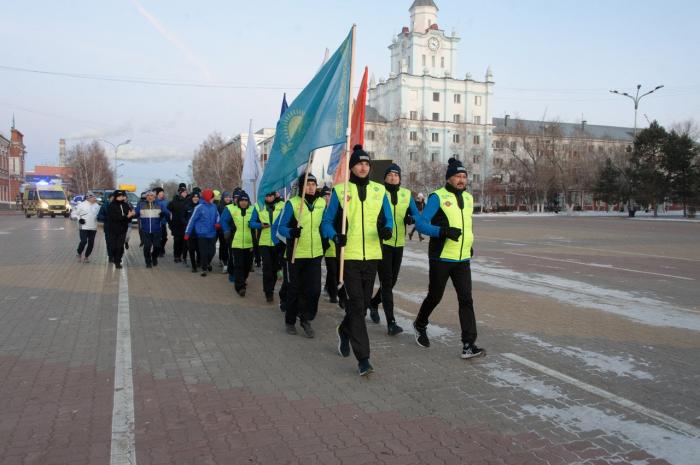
(317,118)
(336,156)
(284,105)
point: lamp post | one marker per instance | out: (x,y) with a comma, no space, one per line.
(116,149)
(636,100)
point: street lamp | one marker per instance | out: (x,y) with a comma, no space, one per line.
(636,100)
(116,148)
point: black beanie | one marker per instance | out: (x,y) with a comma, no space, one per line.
(311,178)
(196,190)
(359,155)
(454,166)
(158,190)
(393,168)
(182,186)
(243,196)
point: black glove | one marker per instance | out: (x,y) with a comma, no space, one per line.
(450,233)
(340,240)
(471,252)
(408,220)
(81,221)
(295,232)
(385,234)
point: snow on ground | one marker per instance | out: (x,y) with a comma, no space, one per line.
(618,365)
(645,310)
(665,216)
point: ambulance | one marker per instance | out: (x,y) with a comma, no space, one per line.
(42,198)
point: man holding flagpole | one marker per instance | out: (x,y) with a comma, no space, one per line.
(369,221)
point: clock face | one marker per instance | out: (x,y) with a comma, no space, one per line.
(433,44)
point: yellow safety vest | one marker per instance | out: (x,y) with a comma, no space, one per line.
(243,237)
(462,219)
(264,217)
(363,241)
(398,236)
(310,245)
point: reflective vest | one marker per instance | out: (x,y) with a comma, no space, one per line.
(243,237)
(310,245)
(363,241)
(403,200)
(265,216)
(462,219)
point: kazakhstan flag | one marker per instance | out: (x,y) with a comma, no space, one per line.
(317,118)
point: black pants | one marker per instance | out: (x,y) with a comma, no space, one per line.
(179,246)
(117,239)
(332,277)
(359,283)
(242,261)
(207,249)
(151,246)
(461,275)
(108,244)
(163,237)
(270,266)
(304,290)
(193,249)
(256,246)
(224,247)
(87,236)
(388,274)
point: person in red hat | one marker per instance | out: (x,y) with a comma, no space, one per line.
(205,222)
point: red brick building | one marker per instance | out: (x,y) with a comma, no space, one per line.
(16,156)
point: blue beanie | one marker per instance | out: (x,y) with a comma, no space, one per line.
(454,166)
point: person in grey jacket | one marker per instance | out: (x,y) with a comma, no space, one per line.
(86,213)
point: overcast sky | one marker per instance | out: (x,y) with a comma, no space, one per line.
(553,58)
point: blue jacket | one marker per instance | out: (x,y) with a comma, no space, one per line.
(151,215)
(203,221)
(164,206)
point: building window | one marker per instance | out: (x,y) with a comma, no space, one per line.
(423,60)
(477,119)
(458,98)
(436,96)
(514,145)
(442,62)
(477,100)
(413,136)
(477,140)
(411,156)
(476,178)
(433,60)
(413,115)
(435,156)
(456,118)
(455,138)
(436,137)
(369,135)
(476,159)
(412,176)
(436,116)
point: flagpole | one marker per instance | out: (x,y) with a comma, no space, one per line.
(348,149)
(302,194)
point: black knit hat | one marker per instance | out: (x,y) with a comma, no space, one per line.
(243,196)
(393,168)
(311,178)
(158,190)
(359,155)
(454,166)
(196,190)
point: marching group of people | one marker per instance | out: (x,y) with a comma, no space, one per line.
(358,229)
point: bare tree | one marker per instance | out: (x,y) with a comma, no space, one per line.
(89,168)
(170,186)
(217,164)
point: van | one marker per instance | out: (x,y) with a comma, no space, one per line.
(45,199)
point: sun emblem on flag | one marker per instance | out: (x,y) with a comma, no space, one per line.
(292,121)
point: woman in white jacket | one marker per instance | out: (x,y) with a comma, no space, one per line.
(86,213)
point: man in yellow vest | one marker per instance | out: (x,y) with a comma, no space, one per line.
(262,220)
(303,229)
(235,221)
(404,211)
(447,219)
(369,221)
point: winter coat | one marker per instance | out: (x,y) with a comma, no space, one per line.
(150,215)
(204,218)
(87,211)
(178,207)
(118,222)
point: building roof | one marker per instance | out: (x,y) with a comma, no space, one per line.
(47,170)
(568,129)
(373,116)
(423,3)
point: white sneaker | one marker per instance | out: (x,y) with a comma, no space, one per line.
(224,270)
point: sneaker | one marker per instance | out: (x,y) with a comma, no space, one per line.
(204,273)
(364,367)
(421,336)
(374,314)
(343,343)
(393,329)
(242,292)
(269,298)
(155,261)
(291,329)
(471,351)
(148,265)
(86,260)
(224,270)
(118,266)
(126,245)
(308,330)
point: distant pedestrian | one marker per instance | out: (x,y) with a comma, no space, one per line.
(191,241)
(178,222)
(150,213)
(87,212)
(262,220)
(162,201)
(103,217)
(420,205)
(224,246)
(205,222)
(235,222)
(120,214)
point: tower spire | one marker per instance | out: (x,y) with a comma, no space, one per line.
(13,120)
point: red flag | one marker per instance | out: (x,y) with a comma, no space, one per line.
(357,128)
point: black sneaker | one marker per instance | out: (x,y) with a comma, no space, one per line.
(155,261)
(204,273)
(126,245)
(471,351)
(343,343)
(364,367)
(374,314)
(308,330)
(394,329)
(118,266)
(291,329)
(421,336)
(148,265)
(241,292)
(269,298)
(333,300)
(194,270)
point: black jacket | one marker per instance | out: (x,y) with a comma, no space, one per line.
(178,207)
(116,214)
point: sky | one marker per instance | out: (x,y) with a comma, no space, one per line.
(227,61)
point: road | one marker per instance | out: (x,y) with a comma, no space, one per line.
(591,327)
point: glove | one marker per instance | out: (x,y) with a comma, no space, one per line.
(450,233)
(385,234)
(81,221)
(187,237)
(340,240)
(217,226)
(295,232)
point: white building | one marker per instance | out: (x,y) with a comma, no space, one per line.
(423,114)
